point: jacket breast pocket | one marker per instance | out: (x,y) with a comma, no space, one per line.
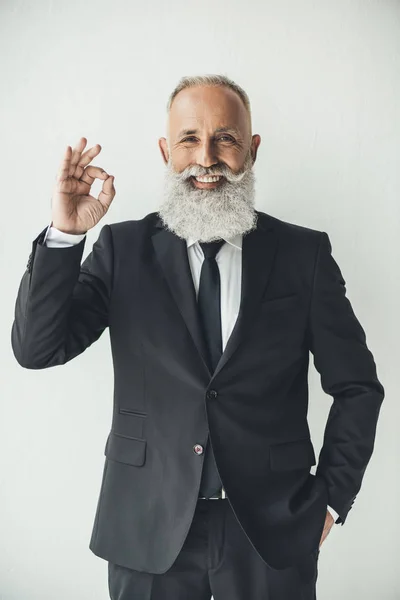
(288,301)
(124,449)
(297,454)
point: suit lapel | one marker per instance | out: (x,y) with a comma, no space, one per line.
(172,255)
(258,253)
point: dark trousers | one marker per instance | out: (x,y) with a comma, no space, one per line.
(218,560)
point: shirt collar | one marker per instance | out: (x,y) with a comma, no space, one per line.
(235,240)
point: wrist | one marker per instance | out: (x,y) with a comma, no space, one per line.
(66,230)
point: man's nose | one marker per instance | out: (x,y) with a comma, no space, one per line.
(206,154)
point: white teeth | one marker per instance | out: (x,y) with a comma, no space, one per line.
(207,179)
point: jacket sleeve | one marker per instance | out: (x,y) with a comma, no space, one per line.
(62,306)
(348,373)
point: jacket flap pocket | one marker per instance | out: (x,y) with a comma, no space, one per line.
(281,301)
(124,449)
(298,454)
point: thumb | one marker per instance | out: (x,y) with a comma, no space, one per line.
(107,193)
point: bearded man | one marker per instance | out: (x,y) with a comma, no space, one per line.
(213,308)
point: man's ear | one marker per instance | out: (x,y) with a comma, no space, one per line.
(255,142)
(163,145)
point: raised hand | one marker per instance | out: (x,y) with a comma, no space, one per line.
(73,209)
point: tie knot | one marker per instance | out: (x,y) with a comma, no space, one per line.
(210,249)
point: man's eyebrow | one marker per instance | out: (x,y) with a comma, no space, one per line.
(233,130)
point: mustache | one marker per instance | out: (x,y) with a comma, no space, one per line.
(221,171)
(195,171)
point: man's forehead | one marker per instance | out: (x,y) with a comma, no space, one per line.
(213,110)
(192,102)
(216,96)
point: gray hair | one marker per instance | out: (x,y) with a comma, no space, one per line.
(213,80)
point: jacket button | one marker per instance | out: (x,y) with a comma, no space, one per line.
(211,394)
(198,449)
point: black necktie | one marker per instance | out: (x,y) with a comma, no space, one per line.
(209,305)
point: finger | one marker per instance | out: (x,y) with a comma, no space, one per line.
(65,164)
(89,155)
(91,173)
(85,159)
(76,155)
(108,192)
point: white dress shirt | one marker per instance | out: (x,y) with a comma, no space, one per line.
(229,260)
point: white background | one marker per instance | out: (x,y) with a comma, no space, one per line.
(324,81)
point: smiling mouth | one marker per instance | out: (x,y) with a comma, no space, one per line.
(213,181)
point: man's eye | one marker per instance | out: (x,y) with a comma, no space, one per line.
(227,137)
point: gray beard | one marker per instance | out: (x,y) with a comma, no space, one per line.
(209,214)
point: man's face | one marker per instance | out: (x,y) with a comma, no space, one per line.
(209,134)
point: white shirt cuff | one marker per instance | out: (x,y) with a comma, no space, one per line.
(54,238)
(333,513)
